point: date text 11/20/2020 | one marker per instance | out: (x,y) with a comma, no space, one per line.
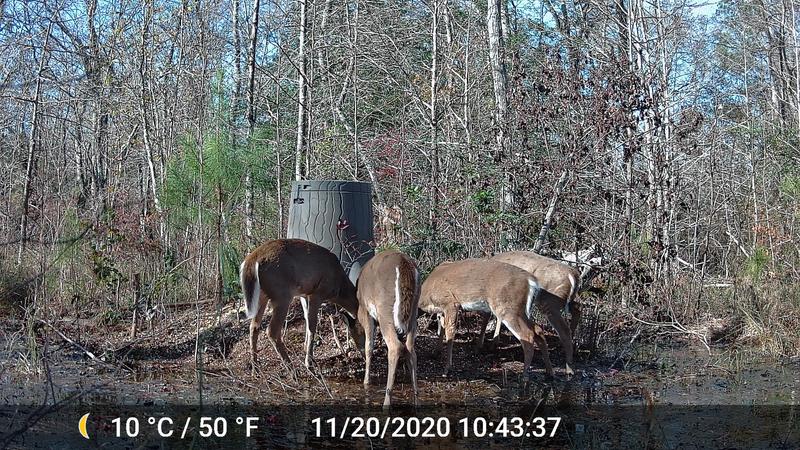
(468,427)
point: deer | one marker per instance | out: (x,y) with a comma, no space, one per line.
(488,287)
(278,271)
(388,291)
(561,284)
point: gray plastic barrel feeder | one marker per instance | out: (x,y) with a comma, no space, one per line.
(336,215)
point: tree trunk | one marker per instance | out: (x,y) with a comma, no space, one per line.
(796,47)
(237,64)
(433,122)
(551,208)
(499,77)
(351,132)
(300,171)
(251,118)
(30,165)
(147,13)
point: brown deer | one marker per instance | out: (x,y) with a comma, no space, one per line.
(282,269)
(490,287)
(388,293)
(559,284)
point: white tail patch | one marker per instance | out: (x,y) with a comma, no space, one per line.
(476,305)
(574,289)
(498,325)
(251,304)
(373,311)
(304,304)
(513,331)
(401,327)
(241,279)
(533,292)
(573,285)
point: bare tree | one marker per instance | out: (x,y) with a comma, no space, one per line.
(300,170)
(251,114)
(30,165)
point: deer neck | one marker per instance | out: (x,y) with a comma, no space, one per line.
(347,298)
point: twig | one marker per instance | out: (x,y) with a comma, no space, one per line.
(66,338)
(84,349)
(627,348)
(680,328)
(321,378)
(335,336)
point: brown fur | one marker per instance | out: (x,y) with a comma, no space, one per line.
(378,285)
(289,268)
(248,282)
(453,286)
(558,292)
(409,293)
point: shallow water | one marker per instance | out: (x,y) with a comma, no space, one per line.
(658,376)
(632,404)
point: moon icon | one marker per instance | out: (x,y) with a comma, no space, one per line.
(82,426)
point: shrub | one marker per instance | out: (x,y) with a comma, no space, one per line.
(16,289)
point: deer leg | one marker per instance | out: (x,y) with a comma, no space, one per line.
(369,346)
(538,339)
(575,311)
(395,348)
(528,333)
(523,335)
(440,330)
(255,325)
(557,321)
(394,358)
(484,323)
(450,322)
(527,351)
(412,361)
(280,306)
(311,312)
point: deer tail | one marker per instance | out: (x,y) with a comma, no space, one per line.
(251,285)
(574,281)
(406,291)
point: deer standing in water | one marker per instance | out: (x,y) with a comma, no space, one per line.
(560,284)
(282,269)
(388,293)
(490,287)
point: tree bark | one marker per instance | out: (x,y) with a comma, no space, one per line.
(433,119)
(551,208)
(351,132)
(30,165)
(237,63)
(147,14)
(499,75)
(300,171)
(251,117)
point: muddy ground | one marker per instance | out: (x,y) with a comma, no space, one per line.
(91,364)
(159,365)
